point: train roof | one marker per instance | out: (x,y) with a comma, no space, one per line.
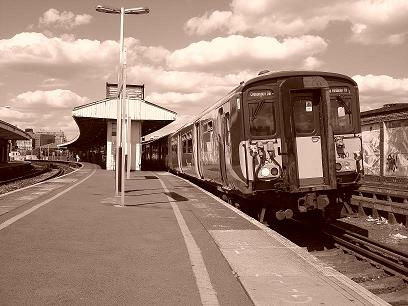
(264,76)
(286,74)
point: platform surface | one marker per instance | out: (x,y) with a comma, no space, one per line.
(67,241)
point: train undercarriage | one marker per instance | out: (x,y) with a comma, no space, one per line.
(277,206)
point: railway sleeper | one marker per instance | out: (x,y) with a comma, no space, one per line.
(351,267)
(327,253)
(338,260)
(384,284)
(366,275)
(396,298)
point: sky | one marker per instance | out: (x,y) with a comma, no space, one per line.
(55,55)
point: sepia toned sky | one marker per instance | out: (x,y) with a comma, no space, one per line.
(55,55)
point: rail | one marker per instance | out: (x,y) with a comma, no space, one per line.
(390,259)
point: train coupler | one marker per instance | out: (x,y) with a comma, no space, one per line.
(312,201)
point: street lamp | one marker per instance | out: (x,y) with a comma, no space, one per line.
(120,156)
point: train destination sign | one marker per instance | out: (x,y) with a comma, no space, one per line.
(260,93)
(339,90)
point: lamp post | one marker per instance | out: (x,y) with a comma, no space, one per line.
(120,119)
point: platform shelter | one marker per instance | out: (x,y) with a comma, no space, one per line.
(9,132)
(97,126)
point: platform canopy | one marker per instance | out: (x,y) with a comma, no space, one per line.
(11,132)
(91,119)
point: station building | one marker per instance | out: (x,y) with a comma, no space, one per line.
(96,121)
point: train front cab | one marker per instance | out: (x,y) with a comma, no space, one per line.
(305,140)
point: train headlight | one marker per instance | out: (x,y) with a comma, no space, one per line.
(274,171)
(338,166)
(265,172)
(346,165)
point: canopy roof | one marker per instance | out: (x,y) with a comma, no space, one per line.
(11,132)
(91,119)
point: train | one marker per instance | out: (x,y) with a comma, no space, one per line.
(280,144)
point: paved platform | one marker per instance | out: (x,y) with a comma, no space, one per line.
(66,241)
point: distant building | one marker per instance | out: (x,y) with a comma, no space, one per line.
(39,139)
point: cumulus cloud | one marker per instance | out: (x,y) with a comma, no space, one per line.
(65,19)
(162,80)
(57,98)
(237,52)
(185,92)
(53,82)
(67,56)
(372,21)
(44,110)
(377,90)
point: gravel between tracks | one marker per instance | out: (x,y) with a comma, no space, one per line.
(27,182)
(395,235)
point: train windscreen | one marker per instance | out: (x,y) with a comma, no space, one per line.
(262,118)
(342,113)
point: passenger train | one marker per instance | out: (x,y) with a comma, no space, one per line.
(282,143)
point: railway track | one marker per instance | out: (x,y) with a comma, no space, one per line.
(379,268)
(42,171)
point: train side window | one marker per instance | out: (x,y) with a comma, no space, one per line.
(184,143)
(207,136)
(228,129)
(209,126)
(304,116)
(174,145)
(189,143)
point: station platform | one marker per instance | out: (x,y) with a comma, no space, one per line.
(69,241)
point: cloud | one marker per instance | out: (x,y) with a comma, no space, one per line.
(65,19)
(53,82)
(377,90)
(66,56)
(372,21)
(57,98)
(185,92)
(44,110)
(163,80)
(236,52)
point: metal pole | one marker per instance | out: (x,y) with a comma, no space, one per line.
(123,95)
(128,126)
(119,151)
(129,140)
(126,114)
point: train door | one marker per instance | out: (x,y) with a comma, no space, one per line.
(197,149)
(308,140)
(305,121)
(221,144)
(179,153)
